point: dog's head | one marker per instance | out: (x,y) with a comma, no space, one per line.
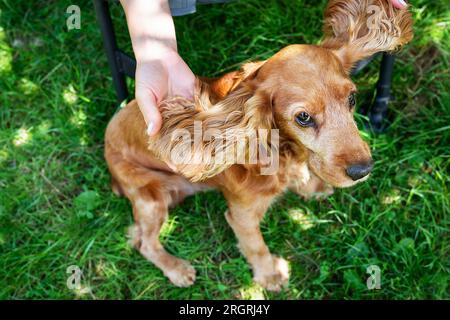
(311,95)
(313,100)
(305,90)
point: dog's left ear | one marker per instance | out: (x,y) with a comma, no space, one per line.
(357,29)
(201,140)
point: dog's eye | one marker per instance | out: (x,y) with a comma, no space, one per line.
(352,100)
(304,119)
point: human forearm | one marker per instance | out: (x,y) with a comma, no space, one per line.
(151,28)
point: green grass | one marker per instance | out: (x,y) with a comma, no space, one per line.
(56,98)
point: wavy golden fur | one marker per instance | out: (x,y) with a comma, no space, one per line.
(239,115)
(304,92)
(358,29)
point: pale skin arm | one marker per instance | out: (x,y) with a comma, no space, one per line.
(160,71)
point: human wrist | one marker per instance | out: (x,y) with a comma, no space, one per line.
(152,49)
(151,28)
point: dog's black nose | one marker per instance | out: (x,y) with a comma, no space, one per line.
(359,170)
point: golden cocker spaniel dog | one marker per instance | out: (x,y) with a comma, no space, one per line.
(283,123)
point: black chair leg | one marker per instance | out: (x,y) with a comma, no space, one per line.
(110,44)
(377,113)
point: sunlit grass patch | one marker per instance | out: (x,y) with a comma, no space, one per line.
(22,137)
(252,292)
(5,54)
(391,197)
(70,95)
(79,118)
(302,219)
(28,87)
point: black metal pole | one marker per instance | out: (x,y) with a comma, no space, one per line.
(377,113)
(110,44)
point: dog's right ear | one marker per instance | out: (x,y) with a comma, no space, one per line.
(357,29)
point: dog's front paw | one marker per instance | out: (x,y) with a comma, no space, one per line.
(182,274)
(274,276)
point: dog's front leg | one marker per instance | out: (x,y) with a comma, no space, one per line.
(244,217)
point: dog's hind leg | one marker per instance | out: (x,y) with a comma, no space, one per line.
(151,192)
(150,209)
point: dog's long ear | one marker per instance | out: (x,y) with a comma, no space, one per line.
(357,29)
(200,140)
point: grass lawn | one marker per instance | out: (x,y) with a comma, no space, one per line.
(57,209)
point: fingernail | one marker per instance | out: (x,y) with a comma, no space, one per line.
(403,3)
(150,128)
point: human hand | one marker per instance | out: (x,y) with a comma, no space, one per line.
(158,78)
(160,71)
